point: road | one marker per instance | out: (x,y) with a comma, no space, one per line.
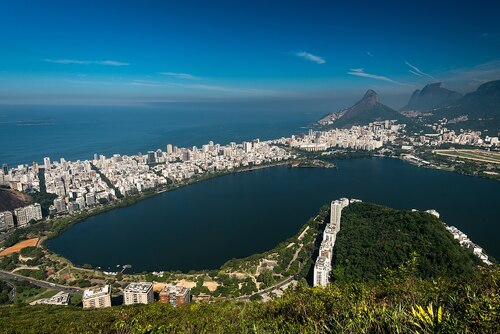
(12,293)
(271,288)
(42,284)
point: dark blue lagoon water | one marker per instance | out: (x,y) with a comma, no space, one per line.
(205,224)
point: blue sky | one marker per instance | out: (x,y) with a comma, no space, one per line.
(147,51)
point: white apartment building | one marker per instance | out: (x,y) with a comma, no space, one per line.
(28,213)
(97,297)
(6,220)
(138,293)
(322,269)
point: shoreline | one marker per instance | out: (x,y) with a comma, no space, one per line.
(128,201)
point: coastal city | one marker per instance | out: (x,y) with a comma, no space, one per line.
(80,186)
(255,166)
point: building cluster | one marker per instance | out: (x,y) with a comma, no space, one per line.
(136,293)
(61,298)
(323,265)
(444,135)
(467,243)
(369,137)
(132,174)
(76,184)
(21,178)
(23,217)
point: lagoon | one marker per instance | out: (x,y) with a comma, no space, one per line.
(203,225)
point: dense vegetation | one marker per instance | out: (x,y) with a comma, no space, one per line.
(43,197)
(374,238)
(5,289)
(400,302)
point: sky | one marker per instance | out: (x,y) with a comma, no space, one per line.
(125,52)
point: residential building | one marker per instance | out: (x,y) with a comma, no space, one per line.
(60,298)
(175,295)
(6,220)
(138,293)
(322,270)
(97,297)
(28,213)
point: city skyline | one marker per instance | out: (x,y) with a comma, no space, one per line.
(116,53)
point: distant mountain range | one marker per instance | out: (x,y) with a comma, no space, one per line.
(478,110)
(431,97)
(366,110)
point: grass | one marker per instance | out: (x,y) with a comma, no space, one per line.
(400,302)
(476,155)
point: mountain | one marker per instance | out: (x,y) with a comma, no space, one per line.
(11,199)
(431,97)
(366,110)
(478,110)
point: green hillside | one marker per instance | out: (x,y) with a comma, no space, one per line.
(398,303)
(373,238)
(396,272)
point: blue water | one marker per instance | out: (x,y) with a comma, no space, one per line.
(203,225)
(29,133)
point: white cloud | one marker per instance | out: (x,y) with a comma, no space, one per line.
(215,88)
(87,62)
(180,75)
(417,71)
(310,57)
(360,72)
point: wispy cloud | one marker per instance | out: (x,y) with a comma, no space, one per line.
(87,62)
(214,88)
(310,57)
(416,73)
(360,72)
(177,75)
(369,53)
(415,70)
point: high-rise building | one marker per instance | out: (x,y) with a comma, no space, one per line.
(138,293)
(322,269)
(21,217)
(175,295)
(46,163)
(169,149)
(3,222)
(336,211)
(27,214)
(60,205)
(247,147)
(97,297)
(6,220)
(151,157)
(5,169)
(90,199)
(37,211)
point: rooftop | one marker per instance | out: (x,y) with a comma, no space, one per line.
(141,287)
(96,292)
